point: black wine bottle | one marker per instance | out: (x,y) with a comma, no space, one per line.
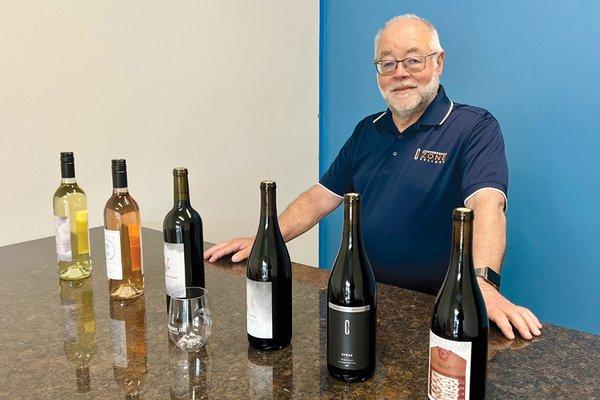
(352,308)
(458,340)
(269,280)
(183,240)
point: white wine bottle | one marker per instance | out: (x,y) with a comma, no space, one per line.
(71,223)
(123,239)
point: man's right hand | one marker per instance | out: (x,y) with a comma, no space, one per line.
(239,246)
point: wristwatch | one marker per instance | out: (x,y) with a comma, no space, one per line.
(489,275)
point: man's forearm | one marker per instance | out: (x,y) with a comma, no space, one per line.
(306,210)
(489,229)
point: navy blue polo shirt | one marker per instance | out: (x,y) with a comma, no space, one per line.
(411,181)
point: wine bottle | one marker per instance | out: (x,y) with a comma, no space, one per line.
(269,280)
(77,305)
(458,338)
(183,240)
(352,305)
(71,224)
(128,327)
(123,238)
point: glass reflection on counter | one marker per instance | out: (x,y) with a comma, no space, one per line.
(77,306)
(188,373)
(270,373)
(128,327)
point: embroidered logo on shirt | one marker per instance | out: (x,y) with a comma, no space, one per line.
(430,156)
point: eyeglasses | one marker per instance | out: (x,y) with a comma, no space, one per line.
(412,64)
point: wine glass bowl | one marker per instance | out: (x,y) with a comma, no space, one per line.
(190,318)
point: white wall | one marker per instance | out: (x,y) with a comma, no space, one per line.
(228,89)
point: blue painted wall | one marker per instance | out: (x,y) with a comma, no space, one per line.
(536,66)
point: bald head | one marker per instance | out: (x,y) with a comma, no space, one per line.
(418,30)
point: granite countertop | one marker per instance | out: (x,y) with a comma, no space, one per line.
(58,341)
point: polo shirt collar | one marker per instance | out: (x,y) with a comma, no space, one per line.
(435,114)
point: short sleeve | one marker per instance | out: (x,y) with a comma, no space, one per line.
(338,178)
(483,164)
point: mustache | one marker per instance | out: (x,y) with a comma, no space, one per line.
(400,87)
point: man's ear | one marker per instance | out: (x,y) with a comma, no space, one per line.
(439,59)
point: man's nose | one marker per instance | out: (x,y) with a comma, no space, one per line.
(401,72)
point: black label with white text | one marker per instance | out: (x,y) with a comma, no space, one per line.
(348,336)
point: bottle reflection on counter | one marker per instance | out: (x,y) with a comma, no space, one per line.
(77,305)
(270,373)
(188,373)
(128,327)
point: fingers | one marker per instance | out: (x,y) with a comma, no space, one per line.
(504,325)
(532,322)
(240,246)
(241,255)
(518,322)
(208,253)
(222,249)
(537,322)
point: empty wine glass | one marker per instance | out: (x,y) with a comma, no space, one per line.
(190,318)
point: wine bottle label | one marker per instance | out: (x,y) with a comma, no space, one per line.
(63,239)
(349,333)
(83,234)
(112,246)
(259,307)
(135,247)
(119,342)
(174,267)
(449,368)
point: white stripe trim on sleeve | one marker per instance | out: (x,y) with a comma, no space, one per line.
(486,188)
(334,193)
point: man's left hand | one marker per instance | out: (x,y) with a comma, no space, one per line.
(507,315)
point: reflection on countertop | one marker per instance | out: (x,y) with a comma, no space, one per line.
(122,349)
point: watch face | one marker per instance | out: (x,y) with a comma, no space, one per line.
(493,276)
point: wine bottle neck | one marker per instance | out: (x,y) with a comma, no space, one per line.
(181,192)
(461,260)
(268,208)
(119,180)
(67,170)
(351,237)
(67,181)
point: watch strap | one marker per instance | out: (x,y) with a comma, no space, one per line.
(489,275)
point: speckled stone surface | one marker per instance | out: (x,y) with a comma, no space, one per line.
(35,329)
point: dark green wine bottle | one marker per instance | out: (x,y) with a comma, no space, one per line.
(269,280)
(183,240)
(352,305)
(458,340)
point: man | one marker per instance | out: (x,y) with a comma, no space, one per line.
(413,164)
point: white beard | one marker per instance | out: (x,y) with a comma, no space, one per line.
(406,105)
